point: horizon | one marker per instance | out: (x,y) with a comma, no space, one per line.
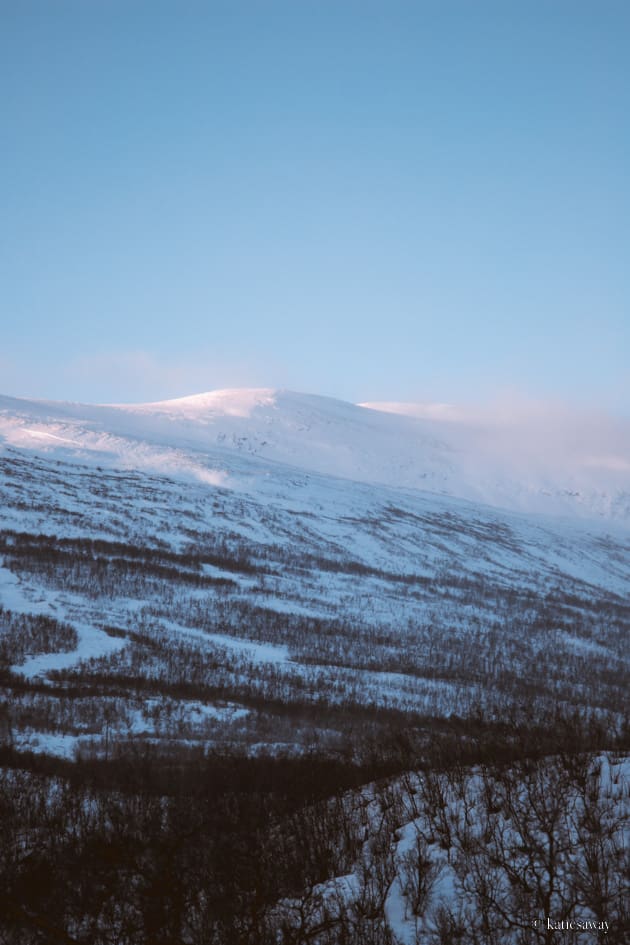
(513,430)
(506,407)
(424,203)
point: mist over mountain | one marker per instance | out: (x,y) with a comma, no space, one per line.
(534,459)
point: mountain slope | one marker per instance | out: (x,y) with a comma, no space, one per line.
(300,590)
(206,436)
(241,556)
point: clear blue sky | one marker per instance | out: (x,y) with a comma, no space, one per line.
(392,200)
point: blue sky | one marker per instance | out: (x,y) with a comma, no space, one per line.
(392,200)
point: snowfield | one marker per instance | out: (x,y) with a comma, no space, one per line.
(525,464)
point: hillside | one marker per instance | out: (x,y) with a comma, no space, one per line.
(213,525)
(272,672)
(530,463)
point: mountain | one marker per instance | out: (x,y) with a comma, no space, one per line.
(279,668)
(324,541)
(520,463)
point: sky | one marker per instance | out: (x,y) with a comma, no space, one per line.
(401,201)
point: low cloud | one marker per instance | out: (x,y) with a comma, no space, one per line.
(543,433)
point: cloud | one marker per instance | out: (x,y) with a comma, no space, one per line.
(540,433)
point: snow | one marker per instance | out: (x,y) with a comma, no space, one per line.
(191,711)
(520,464)
(406,494)
(257,652)
(289,480)
(230,403)
(58,743)
(92,642)
(16,596)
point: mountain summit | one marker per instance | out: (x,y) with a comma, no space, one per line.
(526,461)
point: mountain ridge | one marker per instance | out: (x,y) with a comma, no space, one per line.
(437,448)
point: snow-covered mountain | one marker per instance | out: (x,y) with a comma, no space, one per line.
(263,548)
(527,463)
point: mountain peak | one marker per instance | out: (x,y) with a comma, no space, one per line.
(559,464)
(230,402)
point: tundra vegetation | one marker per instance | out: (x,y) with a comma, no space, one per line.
(220,725)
